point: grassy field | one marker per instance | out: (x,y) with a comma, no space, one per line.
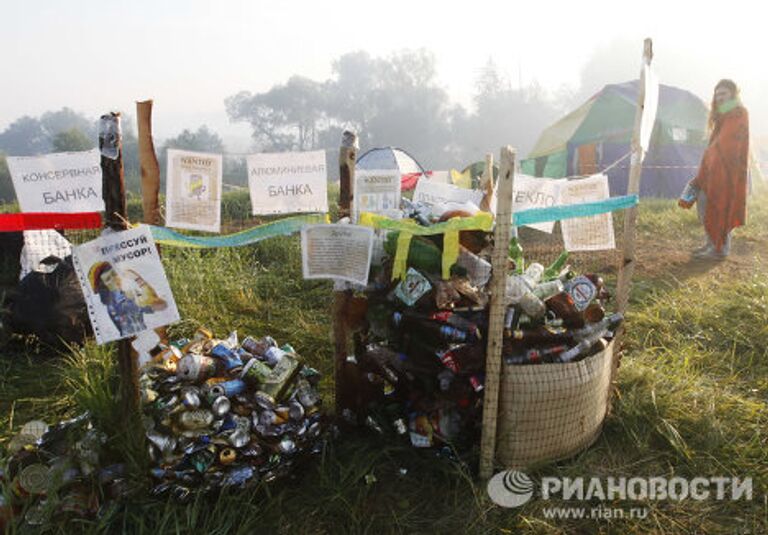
(692,401)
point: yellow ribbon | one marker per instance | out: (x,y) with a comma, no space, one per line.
(450,251)
(400,263)
(409,228)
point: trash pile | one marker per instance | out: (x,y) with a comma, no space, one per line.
(59,472)
(422,356)
(219,413)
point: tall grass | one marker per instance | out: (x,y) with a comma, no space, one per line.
(692,398)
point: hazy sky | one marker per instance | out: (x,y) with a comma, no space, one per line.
(189,55)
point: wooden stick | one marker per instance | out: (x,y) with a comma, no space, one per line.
(150,169)
(635,171)
(345,382)
(488,184)
(113,186)
(497,310)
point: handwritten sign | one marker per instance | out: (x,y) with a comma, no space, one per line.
(124,284)
(193,190)
(63,182)
(377,191)
(594,233)
(534,192)
(288,182)
(338,252)
(432,192)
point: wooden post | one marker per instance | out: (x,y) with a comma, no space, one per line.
(501,236)
(345,374)
(636,168)
(488,184)
(116,218)
(150,169)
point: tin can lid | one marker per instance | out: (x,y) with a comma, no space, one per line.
(34,478)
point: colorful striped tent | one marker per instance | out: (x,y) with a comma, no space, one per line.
(598,133)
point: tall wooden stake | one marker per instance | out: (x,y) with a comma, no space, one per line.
(113,188)
(150,169)
(488,184)
(497,310)
(346,387)
(635,171)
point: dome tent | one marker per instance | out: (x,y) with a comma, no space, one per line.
(598,133)
(393,158)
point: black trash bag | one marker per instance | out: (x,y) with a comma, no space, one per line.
(50,305)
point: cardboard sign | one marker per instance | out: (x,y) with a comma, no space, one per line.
(124,284)
(288,182)
(594,233)
(533,192)
(193,190)
(63,182)
(432,192)
(339,252)
(377,191)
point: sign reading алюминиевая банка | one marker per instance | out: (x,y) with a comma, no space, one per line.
(288,182)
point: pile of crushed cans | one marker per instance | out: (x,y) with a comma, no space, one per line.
(421,353)
(223,413)
(58,472)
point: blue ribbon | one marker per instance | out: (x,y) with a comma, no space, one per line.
(532,216)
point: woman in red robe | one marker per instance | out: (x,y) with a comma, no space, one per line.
(720,187)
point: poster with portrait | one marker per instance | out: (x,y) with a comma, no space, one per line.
(193,190)
(124,284)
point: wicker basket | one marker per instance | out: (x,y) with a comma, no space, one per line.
(549,412)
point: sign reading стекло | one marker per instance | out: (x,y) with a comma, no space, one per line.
(288,182)
(64,182)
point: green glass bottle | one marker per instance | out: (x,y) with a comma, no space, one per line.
(555,268)
(516,254)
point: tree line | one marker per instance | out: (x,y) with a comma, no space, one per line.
(395,100)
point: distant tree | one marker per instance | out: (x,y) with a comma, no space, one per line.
(287,117)
(7,193)
(202,140)
(71,140)
(66,119)
(503,115)
(26,136)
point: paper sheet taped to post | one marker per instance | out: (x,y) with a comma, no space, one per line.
(193,190)
(124,284)
(533,192)
(63,182)
(594,233)
(288,182)
(339,252)
(433,192)
(377,191)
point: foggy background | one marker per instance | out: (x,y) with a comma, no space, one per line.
(446,83)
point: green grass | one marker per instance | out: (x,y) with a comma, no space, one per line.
(693,390)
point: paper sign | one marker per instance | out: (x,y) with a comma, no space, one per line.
(124,284)
(594,233)
(339,252)
(288,182)
(432,193)
(651,88)
(533,192)
(64,182)
(377,191)
(193,190)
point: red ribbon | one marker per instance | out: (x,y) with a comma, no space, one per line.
(44,221)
